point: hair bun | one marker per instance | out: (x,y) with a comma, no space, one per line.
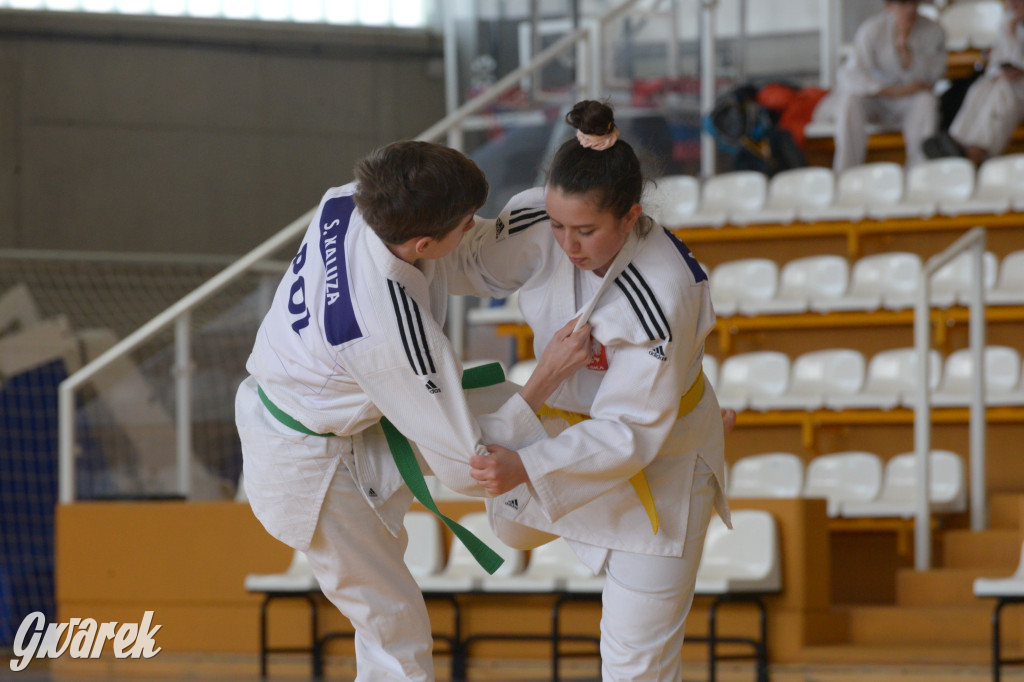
(591,117)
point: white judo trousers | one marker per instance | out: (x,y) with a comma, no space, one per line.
(991,112)
(646,597)
(357,561)
(994,105)
(371,585)
(916,116)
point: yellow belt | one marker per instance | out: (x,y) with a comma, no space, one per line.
(639,481)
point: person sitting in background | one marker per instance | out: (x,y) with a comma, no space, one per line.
(994,105)
(898,56)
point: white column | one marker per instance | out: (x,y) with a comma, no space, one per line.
(707,83)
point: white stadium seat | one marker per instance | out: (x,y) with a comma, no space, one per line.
(824,277)
(927,184)
(951,284)
(888,279)
(1002,177)
(709,364)
(747,279)
(1002,378)
(843,477)
(947,489)
(462,572)
(424,555)
(745,558)
(298,578)
(972,24)
(788,192)
(742,191)
(760,373)
(673,199)
(1009,287)
(999,187)
(891,381)
(770,474)
(550,568)
(814,376)
(873,184)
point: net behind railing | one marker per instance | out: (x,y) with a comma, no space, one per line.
(59,311)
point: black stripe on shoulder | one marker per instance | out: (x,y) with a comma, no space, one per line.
(522,218)
(410,328)
(644,303)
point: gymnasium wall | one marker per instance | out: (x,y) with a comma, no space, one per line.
(156,134)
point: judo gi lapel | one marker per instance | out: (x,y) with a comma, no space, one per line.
(623,258)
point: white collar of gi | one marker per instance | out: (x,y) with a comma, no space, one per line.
(621,260)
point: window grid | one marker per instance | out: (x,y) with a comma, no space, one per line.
(396,13)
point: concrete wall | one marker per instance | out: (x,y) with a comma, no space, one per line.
(149,134)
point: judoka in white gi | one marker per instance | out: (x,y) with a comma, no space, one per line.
(633,487)
(355,332)
(898,55)
(994,105)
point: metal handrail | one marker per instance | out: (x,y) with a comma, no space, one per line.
(179,314)
(542,59)
(973,240)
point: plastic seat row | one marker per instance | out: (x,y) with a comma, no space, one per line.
(880,191)
(973,24)
(841,379)
(855,483)
(823,284)
(742,564)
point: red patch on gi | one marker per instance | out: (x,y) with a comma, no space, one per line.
(598,358)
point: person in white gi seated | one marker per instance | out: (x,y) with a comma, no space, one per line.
(994,104)
(898,56)
(355,333)
(637,467)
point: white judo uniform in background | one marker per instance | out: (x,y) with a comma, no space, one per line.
(649,330)
(355,333)
(874,65)
(994,105)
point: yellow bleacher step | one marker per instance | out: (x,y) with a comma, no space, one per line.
(898,654)
(939,587)
(930,626)
(1004,510)
(997,549)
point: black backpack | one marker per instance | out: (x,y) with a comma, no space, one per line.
(746,131)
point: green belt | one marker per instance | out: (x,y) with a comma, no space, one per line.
(409,468)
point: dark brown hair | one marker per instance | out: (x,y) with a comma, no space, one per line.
(417,189)
(611,177)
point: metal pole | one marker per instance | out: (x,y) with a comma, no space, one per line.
(922,424)
(66,443)
(456,304)
(707,84)
(829,41)
(451,71)
(673,41)
(741,68)
(546,56)
(534,44)
(974,239)
(979,501)
(595,74)
(66,392)
(183,400)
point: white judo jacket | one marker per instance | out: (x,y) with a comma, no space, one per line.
(355,333)
(649,325)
